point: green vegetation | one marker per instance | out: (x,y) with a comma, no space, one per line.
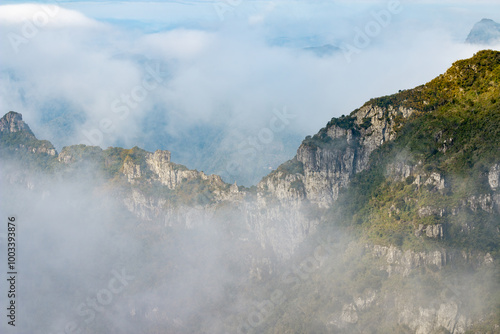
(323,141)
(292,167)
(343,122)
(31,153)
(462,84)
(81,153)
(455,133)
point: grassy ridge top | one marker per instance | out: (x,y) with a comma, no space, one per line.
(463,82)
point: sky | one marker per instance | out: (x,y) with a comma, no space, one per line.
(227,86)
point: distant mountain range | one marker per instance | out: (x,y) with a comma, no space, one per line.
(484,32)
(323,50)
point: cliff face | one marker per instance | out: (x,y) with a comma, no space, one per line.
(350,141)
(171,175)
(324,165)
(13,122)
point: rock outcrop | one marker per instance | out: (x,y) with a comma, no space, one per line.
(332,157)
(21,136)
(13,122)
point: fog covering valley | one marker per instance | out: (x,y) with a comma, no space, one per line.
(383,219)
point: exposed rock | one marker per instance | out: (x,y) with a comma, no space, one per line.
(494,176)
(260,268)
(131,171)
(45,147)
(484,202)
(431,231)
(396,261)
(65,157)
(13,122)
(426,211)
(488,259)
(144,207)
(151,208)
(171,175)
(365,301)
(399,262)
(328,169)
(434,231)
(381,130)
(427,320)
(279,226)
(349,314)
(234,188)
(400,171)
(436,180)
(285,187)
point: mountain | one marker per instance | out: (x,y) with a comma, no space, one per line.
(438,135)
(15,135)
(385,221)
(484,32)
(323,50)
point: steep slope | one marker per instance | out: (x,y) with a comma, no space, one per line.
(439,140)
(415,176)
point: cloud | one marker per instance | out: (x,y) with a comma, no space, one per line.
(179,43)
(203,90)
(43,15)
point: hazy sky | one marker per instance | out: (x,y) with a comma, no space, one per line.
(210,76)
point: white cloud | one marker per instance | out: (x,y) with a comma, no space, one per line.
(180,43)
(229,77)
(43,16)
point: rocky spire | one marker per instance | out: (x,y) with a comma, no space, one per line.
(13,122)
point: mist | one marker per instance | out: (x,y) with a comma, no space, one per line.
(205,84)
(88,265)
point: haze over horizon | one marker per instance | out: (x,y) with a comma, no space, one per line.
(210,81)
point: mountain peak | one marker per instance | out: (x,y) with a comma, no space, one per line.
(485,31)
(15,135)
(13,122)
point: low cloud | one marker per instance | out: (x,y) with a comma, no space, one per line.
(219,80)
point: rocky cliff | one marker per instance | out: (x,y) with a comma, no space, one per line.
(333,156)
(17,135)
